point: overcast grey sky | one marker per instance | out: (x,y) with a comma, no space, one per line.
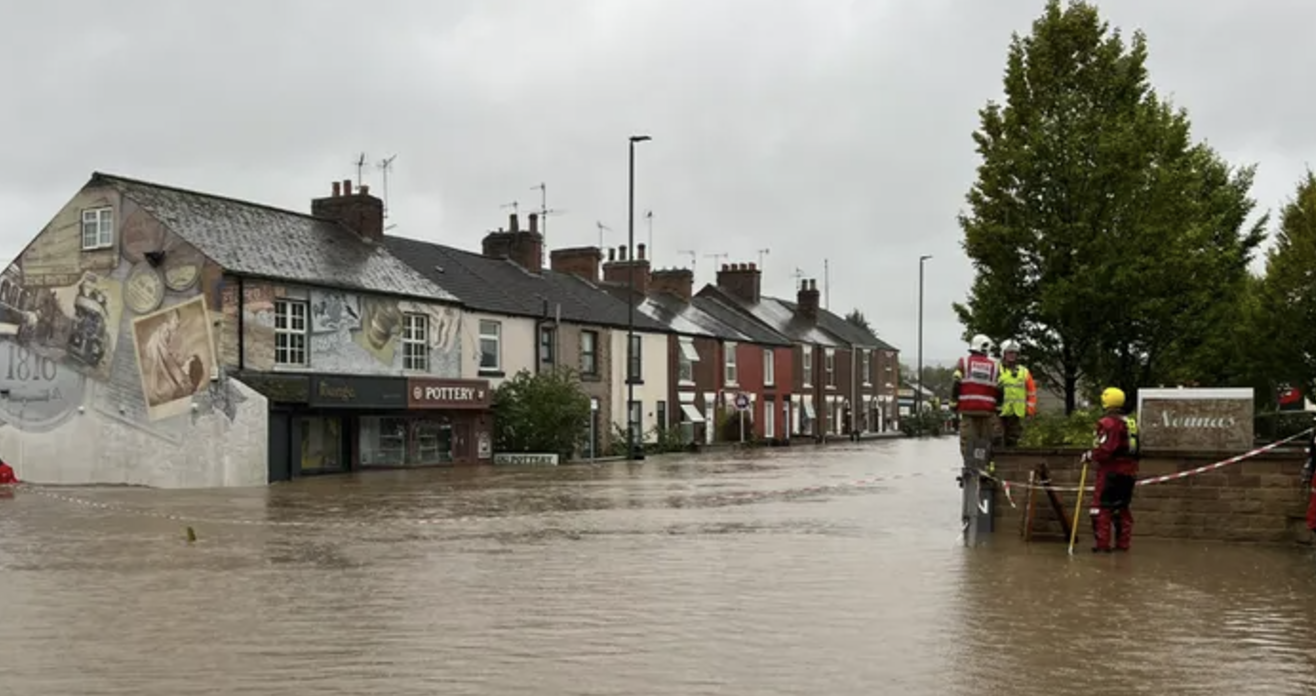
(818,129)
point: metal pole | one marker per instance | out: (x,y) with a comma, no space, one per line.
(630,301)
(918,390)
(742,426)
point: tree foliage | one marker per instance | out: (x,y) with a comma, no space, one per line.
(1284,308)
(936,378)
(857,318)
(1103,239)
(541,413)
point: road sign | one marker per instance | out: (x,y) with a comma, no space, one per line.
(742,401)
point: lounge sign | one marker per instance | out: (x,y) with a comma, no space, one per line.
(428,392)
(1196,420)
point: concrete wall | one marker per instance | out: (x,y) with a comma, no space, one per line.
(108,362)
(519,346)
(1256,500)
(653,357)
(349,333)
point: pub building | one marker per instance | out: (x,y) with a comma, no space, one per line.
(325,424)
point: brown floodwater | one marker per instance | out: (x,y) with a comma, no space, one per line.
(790,571)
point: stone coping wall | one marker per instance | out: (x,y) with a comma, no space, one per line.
(1258,500)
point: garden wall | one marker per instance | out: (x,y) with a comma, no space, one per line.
(1258,500)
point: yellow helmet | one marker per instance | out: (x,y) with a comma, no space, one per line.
(1113,397)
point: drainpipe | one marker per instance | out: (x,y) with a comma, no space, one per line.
(242,333)
(854,391)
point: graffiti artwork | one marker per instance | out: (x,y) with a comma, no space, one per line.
(175,355)
(36,393)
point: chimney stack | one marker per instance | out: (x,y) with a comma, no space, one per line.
(534,223)
(618,272)
(360,212)
(676,281)
(807,300)
(742,281)
(582,262)
(612,254)
(524,248)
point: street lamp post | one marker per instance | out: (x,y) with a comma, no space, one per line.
(631,423)
(918,388)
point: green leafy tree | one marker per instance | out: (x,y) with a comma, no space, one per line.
(1284,310)
(1102,238)
(546,412)
(936,378)
(857,318)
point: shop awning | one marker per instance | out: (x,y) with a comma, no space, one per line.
(808,408)
(692,414)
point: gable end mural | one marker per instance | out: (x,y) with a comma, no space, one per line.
(108,366)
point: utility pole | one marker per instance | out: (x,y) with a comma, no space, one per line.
(918,388)
(633,421)
(648,216)
(827,285)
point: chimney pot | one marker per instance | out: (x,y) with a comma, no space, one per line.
(338,189)
(365,190)
(621,253)
(639,251)
(347,187)
(534,222)
(753,266)
(726,266)
(513,225)
(612,254)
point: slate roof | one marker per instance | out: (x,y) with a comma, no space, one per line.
(773,314)
(844,330)
(500,286)
(684,318)
(257,240)
(755,332)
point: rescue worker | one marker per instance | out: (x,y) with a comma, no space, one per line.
(7,477)
(1307,470)
(1115,453)
(975,393)
(1018,393)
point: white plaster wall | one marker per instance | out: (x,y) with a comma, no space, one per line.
(201,449)
(654,358)
(519,345)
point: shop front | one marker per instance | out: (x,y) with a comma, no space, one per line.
(325,424)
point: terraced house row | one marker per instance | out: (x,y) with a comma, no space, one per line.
(158,336)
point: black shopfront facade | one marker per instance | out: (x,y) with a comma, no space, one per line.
(329,424)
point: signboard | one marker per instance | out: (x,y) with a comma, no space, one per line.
(429,392)
(742,401)
(515,458)
(358,392)
(1195,420)
(294,389)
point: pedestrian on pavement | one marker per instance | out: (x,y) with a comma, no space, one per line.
(1019,394)
(1115,453)
(975,393)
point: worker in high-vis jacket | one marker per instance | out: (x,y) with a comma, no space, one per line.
(1307,470)
(975,393)
(1018,394)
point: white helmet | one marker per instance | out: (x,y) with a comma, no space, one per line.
(980,343)
(1009,345)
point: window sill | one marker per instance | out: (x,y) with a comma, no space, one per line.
(103,247)
(496,374)
(686,383)
(638,381)
(590,377)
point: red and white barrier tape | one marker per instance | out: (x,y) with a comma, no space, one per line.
(1154,479)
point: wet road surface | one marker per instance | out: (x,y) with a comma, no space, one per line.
(763,573)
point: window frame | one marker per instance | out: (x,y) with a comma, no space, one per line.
(415,336)
(685,361)
(829,365)
(635,359)
(769,367)
(589,359)
(868,368)
(103,218)
(547,345)
(806,370)
(497,337)
(287,310)
(730,365)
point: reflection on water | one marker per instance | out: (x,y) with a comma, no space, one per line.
(718,574)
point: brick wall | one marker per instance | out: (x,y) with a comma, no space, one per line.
(1258,500)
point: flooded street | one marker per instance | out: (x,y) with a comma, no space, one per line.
(719,574)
